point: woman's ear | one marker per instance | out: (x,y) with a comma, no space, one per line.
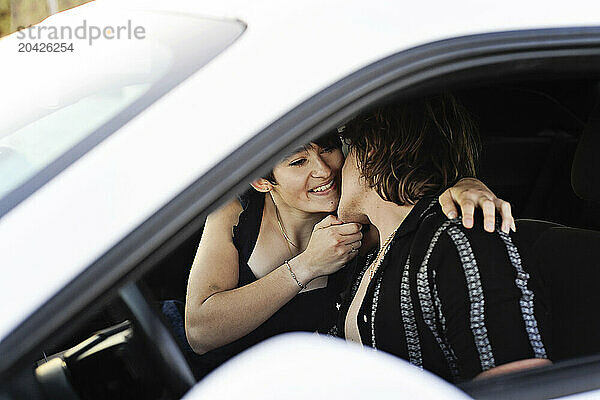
(262,185)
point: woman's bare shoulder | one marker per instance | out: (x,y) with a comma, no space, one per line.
(216,243)
(229,212)
(222,220)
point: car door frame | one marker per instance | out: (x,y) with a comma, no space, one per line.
(443,64)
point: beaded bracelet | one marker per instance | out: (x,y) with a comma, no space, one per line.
(293,274)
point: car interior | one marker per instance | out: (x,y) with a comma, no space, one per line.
(541,141)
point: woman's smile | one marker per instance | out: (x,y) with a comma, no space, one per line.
(325,189)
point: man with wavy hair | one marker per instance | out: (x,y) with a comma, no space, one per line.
(457,302)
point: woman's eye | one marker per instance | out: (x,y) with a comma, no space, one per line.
(327,149)
(297,163)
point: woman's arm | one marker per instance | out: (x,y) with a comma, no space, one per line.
(468,194)
(217,313)
(514,367)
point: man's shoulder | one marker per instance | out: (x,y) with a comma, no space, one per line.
(434,222)
(438,234)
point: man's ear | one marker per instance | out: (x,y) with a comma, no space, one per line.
(262,185)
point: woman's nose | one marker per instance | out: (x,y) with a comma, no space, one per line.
(320,168)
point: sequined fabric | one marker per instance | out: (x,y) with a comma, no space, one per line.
(427,306)
(526,302)
(408,318)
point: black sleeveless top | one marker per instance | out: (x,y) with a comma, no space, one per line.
(312,311)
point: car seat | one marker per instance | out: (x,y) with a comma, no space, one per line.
(567,260)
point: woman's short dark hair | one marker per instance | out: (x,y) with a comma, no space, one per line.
(327,141)
(408,150)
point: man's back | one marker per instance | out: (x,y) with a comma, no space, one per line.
(453,301)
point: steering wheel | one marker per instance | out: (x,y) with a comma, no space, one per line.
(164,348)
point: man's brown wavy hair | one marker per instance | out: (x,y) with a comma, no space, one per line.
(408,150)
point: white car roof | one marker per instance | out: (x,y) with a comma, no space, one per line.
(289,52)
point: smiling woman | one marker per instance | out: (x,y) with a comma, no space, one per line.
(263,263)
(322,194)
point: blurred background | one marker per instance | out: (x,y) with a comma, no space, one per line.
(22,13)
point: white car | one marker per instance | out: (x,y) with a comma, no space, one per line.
(125,123)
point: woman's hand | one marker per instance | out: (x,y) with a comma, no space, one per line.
(331,245)
(469,193)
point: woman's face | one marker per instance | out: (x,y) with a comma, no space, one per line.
(310,180)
